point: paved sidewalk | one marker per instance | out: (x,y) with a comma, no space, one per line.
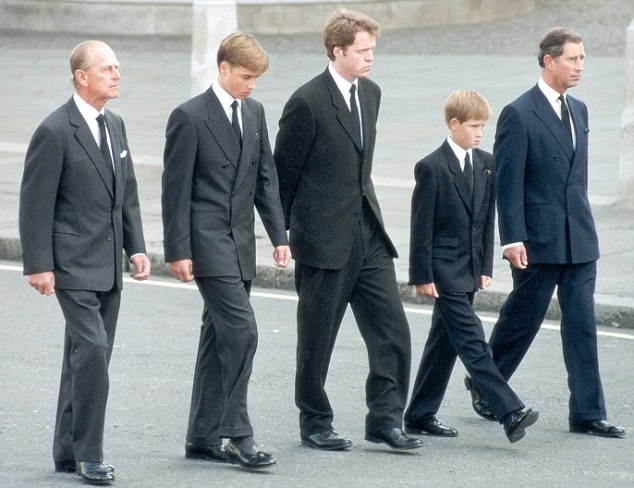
(156,79)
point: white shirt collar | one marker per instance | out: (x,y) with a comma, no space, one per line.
(225,98)
(89,113)
(459,152)
(343,84)
(551,94)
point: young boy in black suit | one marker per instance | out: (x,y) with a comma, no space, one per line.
(451,257)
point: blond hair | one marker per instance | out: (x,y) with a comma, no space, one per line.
(465,105)
(243,50)
(342,26)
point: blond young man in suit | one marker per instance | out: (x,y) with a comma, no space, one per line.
(79,210)
(218,167)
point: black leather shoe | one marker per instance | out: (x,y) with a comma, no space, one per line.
(601,428)
(328,440)
(395,438)
(520,419)
(69,466)
(430,426)
(479,405)
(253,458)
(95,473)
(209,453)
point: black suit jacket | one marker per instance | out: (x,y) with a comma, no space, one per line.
(319,158)
(452,236)
(210,188)
(72,221)
(542,181)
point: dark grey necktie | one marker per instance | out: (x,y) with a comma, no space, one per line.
(105,151)
(565,115)
(354,109)
(234,121)
(468,174)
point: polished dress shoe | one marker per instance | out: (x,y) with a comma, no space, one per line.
(251,458)
(210,453)
(95,473)
(395,438)
(69,466)
(515,427)
(601,428)
(430,426)
(327,440)
(479,405)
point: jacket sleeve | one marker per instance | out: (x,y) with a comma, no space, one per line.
(422,226)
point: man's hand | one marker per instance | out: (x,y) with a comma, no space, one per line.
(427,290)
(282,256)
(517,256)
(142,267)
(182,270)
(485,281)
(44,282)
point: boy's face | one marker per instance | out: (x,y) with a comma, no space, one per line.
(237,81)
(467,134)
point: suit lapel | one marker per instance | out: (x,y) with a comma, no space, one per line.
(458,177)
(250,136)
(544,112)
(343,112)
(88,143)
(219,125)
(479,182)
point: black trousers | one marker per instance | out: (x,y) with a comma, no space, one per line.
(368,284)
(521,317)
(457,330)
(228,341)
(91,321)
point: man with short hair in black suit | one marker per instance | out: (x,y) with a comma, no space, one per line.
(323,153)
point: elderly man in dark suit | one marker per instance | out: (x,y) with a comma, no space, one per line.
(547,229)
(343,255)
(79,210)
(218,165)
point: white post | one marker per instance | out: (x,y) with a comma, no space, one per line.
(212,21)
(627,125)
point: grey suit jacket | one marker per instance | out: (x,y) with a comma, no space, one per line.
(72,221)
(210,188)
(325,172)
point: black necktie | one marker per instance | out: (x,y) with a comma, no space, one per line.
(468,173)
(105,151)
(355,111)
(565,115)
(234,121)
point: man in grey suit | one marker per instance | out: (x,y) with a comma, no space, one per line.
(79,210)
(547,229)
(324,152)
(218,166)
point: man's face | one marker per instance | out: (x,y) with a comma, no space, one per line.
(564,72)
(468,134)
(355,61)
(100,82)
(237,81)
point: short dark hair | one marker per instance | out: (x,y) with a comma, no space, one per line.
(343,25)
(552,44)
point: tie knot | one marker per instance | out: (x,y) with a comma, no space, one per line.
(101,119)
(353,89)
(562,99)
(235,105)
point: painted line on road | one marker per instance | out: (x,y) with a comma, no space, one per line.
(280,296)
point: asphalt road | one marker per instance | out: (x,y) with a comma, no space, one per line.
(151,374)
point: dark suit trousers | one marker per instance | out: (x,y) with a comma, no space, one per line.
(228,341)
(368,283)
(523,313)
(91,319)
(457,330)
